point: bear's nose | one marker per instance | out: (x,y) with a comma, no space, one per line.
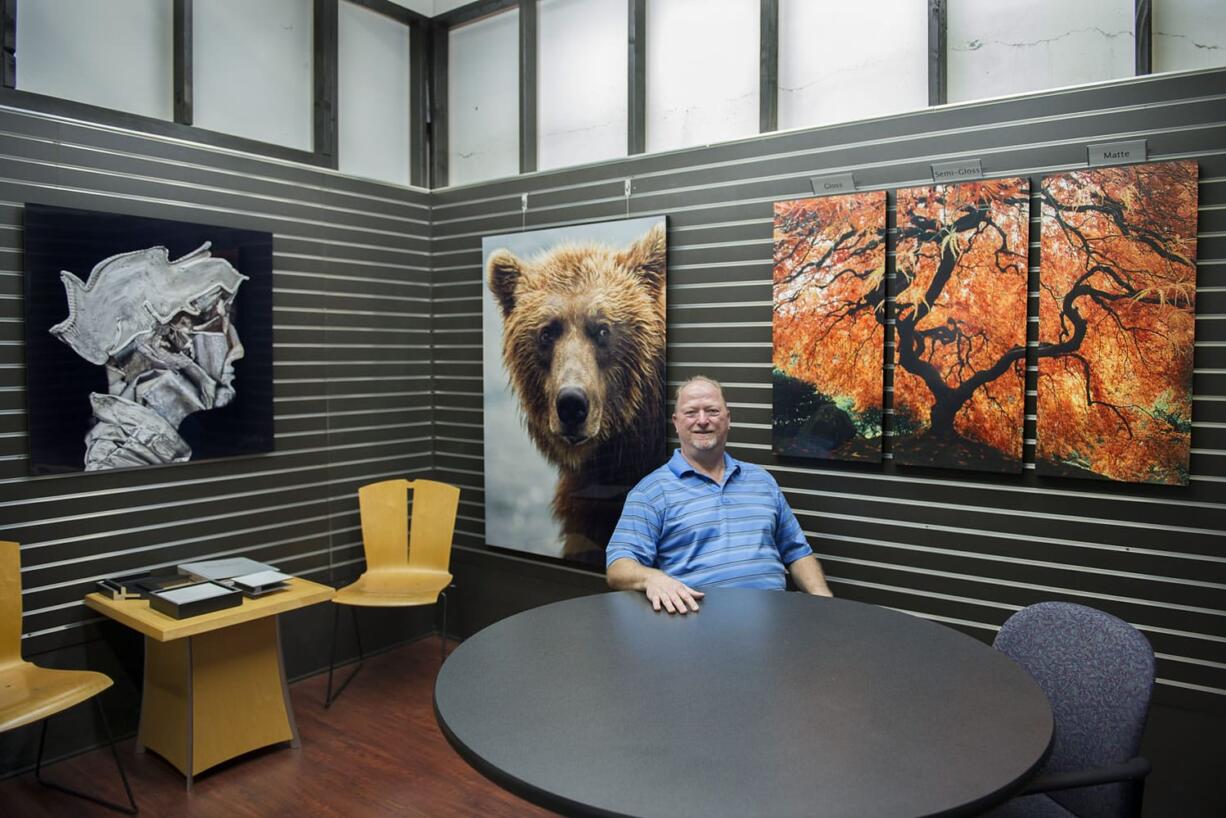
(572,407)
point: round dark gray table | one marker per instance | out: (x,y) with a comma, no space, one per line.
(764,703)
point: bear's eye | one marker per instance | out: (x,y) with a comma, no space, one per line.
(550,332)
(601,333)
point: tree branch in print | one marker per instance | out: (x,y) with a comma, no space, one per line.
(960,327)
(1116,322)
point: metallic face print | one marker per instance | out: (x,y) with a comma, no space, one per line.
(162,330)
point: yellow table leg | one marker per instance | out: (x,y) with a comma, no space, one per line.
(214,696)
(165,710)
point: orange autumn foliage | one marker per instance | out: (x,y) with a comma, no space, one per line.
(1116,322)
(961,316)
(829,295)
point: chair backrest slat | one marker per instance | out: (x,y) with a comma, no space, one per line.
(385,523)
(434,512)
(10,603)
(392,540)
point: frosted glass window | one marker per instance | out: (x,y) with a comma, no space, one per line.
(118,54)
(252,65)
(581,81)
(483,99)
(1189,34)
(828,73)
(702,71)
(1013,46)
(373,95)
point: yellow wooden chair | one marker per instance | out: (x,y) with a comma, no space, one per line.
(406,561)
(29,693)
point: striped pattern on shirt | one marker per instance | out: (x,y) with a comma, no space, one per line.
(739,534)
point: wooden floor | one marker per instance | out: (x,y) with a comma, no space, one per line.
(376,752)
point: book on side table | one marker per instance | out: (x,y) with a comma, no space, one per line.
(252,578)
(195,599)
(139,586)
(222,569)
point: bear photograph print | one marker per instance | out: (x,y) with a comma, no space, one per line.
(574,381)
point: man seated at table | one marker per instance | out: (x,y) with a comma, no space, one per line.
(705,519)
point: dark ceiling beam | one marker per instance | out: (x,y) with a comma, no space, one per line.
(183,61)
(636,77)
(326,124)
(768,67)
(527,85)
(938,23)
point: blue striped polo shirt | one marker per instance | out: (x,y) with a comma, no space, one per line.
(738,534)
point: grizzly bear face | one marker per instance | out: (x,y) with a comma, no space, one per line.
(583,340)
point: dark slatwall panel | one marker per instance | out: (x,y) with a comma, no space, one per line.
(963,548)
(351,347)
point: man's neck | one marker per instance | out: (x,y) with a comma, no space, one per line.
(710,463)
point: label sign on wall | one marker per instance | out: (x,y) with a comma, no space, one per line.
(835,183)
(958,171)
(1118,153)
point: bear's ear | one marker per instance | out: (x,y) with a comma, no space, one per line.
(649,257)
(503,272)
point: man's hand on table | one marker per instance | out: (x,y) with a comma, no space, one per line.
(662,590)
(673,594)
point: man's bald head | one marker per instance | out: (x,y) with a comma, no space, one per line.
(688,382)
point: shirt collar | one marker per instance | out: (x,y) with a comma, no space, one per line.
(680,467)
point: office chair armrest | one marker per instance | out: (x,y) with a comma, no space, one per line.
(1130,770)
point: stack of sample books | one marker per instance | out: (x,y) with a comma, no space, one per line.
(198,587)
(251,577)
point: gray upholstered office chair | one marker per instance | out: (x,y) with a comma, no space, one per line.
(1098,673)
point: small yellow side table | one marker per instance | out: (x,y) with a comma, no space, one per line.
(214,684)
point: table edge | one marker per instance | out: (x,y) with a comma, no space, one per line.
(309,593)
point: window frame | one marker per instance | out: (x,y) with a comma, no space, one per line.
(325,61)
(428,80)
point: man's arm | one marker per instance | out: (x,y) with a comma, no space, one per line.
(790,539)
(626,574)
(807,572)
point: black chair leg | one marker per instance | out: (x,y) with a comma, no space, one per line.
(329,697)
(131,809)
(443,633)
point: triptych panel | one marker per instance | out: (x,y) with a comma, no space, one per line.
(960,325)
(829,326)
(1117,304)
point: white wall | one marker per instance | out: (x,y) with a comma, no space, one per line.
(581,81)
(1013,46)
(702,71)
(1189,34)
(118,54)
(373,95)
(483,99)
(844,61)
(252,65)
(425,7)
